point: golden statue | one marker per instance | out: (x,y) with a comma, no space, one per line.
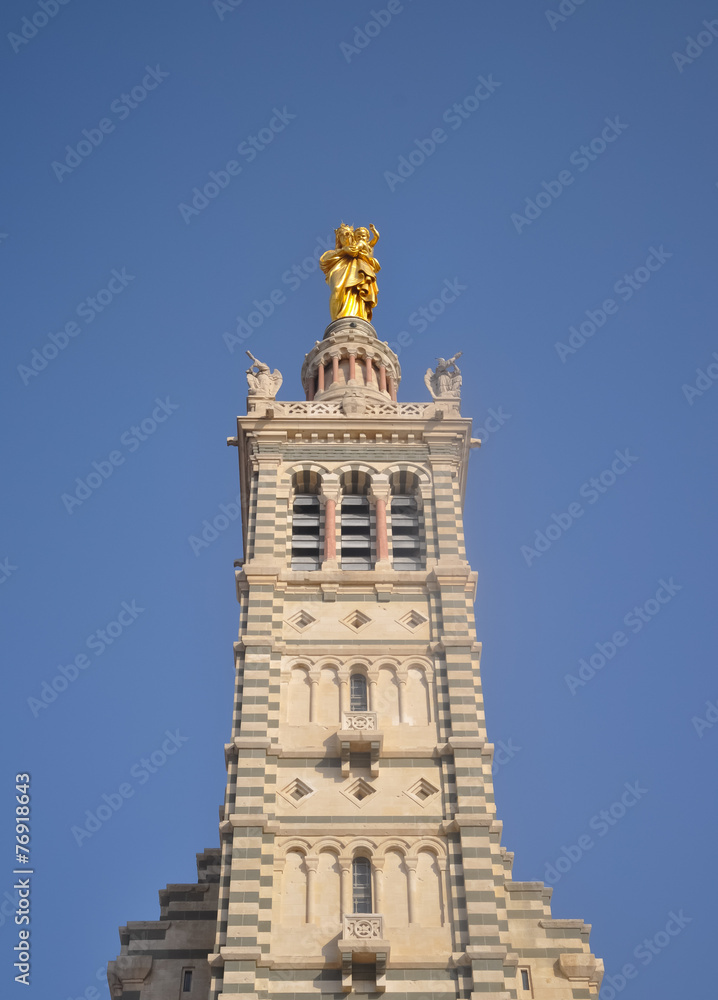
(351,271)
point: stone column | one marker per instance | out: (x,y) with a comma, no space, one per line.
(352,366)
(311,865)
(330,529)
(330,497)
(367,369)
(431,707)
(411,864)
(382,377)
(335,369)
(320,376)
(402,678)
(347,902)
(380,496)
(444,890)
(373,701)
(382,544)
(344,696)
(313,694)
(279,881)
(378,866)
(392,388)
(310,390)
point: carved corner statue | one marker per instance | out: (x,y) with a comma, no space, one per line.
(444,383)
(351,271)
(262,382)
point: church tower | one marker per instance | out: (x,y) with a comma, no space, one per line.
(360,849)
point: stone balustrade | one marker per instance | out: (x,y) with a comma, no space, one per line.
(363,927)
(361,722)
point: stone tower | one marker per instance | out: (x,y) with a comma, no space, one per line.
(360,850)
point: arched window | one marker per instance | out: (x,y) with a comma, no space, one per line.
(361,885)
(406,530)
(405,538)
(356,521)
(357,694)
(306,522)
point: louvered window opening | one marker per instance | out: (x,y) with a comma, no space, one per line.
(405,537)
(356,533)
(306,521)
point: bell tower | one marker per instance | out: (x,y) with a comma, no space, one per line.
(360,850)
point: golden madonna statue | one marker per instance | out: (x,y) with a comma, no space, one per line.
(351,271)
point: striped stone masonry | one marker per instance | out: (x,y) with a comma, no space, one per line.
(360,851)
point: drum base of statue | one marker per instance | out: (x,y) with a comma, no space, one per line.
(351,365)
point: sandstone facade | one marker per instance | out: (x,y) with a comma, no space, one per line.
(360,850)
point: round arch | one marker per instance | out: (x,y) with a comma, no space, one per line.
(312,468)
(399,467)
(432,845)
(395,844)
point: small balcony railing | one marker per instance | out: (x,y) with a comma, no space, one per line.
(359,722)
(363,927)
(360,733)
(363,941)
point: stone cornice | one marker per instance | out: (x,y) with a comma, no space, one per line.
(564,925)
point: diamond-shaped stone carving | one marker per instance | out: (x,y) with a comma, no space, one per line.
(356,621)
(413,620)
(301,621)
(358,791)
(422,791)
(297,791)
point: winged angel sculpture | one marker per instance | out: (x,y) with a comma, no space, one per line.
(260,380)
(444,382)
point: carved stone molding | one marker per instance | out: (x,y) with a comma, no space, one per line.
(581,967)
(128,972)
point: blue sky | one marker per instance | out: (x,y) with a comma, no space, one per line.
(143,299)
